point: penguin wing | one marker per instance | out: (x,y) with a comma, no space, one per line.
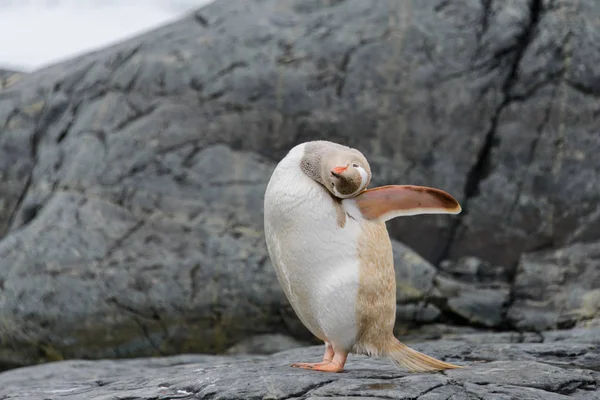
(386,202)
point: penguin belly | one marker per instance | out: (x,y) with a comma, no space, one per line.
(314,258)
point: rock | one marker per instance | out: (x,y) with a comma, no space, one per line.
(480,306)
(557,288)
(132,177)
(437,330)
(265,344)
(533,185)
(475,270)
(478,295)
(543,371)
(8,77)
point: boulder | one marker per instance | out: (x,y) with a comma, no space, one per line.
(557,288)
(132,177)
(497,369)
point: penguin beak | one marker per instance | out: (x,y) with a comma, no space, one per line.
(338,170)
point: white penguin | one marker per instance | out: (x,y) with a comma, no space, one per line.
(332,254)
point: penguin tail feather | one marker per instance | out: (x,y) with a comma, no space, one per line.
(414,361)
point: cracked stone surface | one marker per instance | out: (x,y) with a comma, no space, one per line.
(132,177)
(498,367)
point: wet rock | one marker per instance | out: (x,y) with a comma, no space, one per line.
(556,370)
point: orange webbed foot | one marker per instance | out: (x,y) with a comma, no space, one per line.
(336,364)
(329,367)
(327,357)
(309,365)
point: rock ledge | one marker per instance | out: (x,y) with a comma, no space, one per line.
(564,366)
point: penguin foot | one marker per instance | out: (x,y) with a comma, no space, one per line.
(309,365)
(329,367)
(334,365)
(324,366)
(327,357)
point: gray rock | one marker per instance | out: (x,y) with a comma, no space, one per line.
(265,344)
(494,371)
(557,288)
(8,77)
(481,306)
(477,304)
(475,270)
(132,177)
(535,184)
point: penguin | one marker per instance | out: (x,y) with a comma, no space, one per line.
(332,254)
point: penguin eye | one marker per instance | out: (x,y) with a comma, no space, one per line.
(355,165)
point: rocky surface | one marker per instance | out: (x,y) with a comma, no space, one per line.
(132,178)
(562,365)
(265,344)
(557,288)
(9,77)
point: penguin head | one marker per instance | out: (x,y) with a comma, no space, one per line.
(342,170)
(345,173)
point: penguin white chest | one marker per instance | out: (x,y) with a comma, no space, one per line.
(314,255)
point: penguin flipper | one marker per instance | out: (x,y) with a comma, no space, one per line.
(386,202)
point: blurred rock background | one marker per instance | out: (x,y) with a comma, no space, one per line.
(132,177)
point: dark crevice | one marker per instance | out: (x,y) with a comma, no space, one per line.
(552,79)
(230,68)
(200,143)
(129,309)
(507,324)
(75,78)
(45,117)
(431,389)
(578,86)
(201,19)
(196,85)
(16,111)
(532,149)
(212,96)
(137,114)
(189,160)
(571,386)
(486,9)
(30,212)
(343,67)
(137,318)
(309,389)
(19,202)
(73,116)
(481,169)
(123,57)
(130,85)
(119,242)
(193,281)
